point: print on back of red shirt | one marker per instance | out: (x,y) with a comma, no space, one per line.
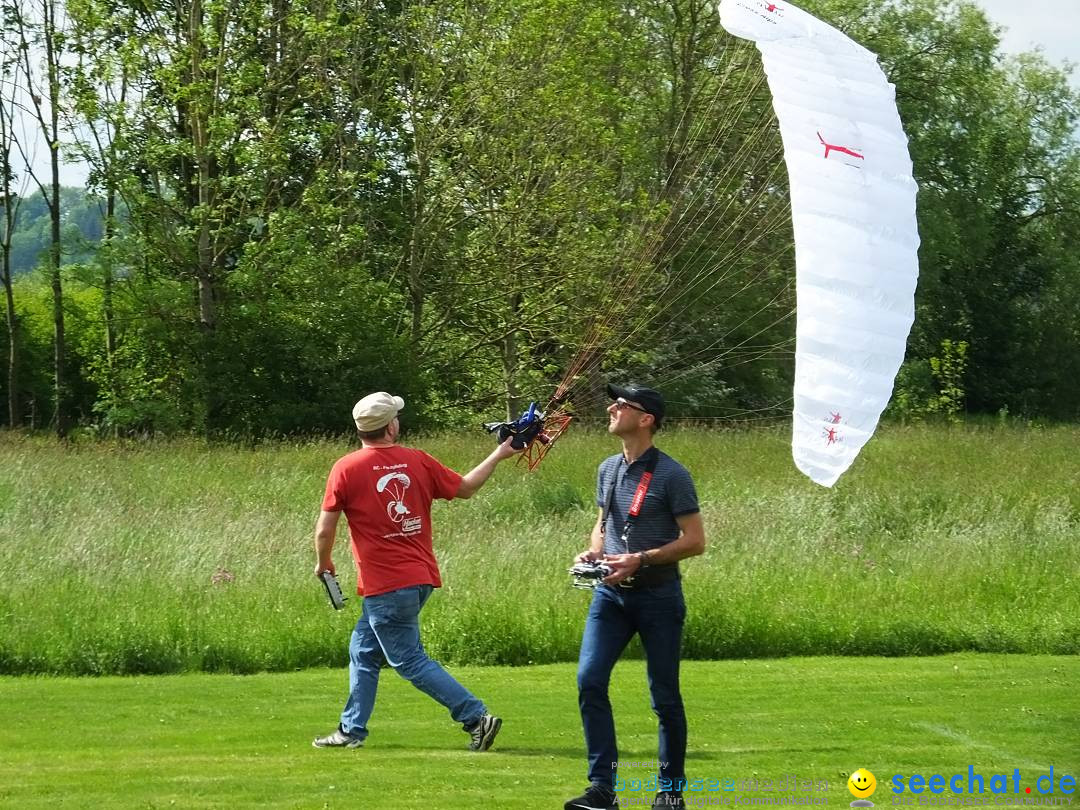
(386,494)
(395,485)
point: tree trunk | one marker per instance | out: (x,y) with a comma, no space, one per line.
(108,276)
(416,253)
(514,401)
(52,59)
(107,282)
(14,416)
(61,418)
(201,142)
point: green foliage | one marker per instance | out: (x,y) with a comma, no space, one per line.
(33,303)
(33,310)
(149,383)
(932,388)
(310,328)
(81,231)
(456,200)
(948,372)
(912,391)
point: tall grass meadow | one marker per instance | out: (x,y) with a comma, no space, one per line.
(169,556)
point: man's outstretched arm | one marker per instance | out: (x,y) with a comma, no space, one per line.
(475,478)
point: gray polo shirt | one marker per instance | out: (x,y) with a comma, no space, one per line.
(671,494)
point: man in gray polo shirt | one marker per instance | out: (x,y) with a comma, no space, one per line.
(648,520)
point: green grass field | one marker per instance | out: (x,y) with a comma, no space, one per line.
(215,741)
(184,557)
(937,540)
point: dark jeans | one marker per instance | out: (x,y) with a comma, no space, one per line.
(657,614)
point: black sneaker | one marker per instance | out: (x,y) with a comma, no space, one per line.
(668,798)
(595,797)
(483,733)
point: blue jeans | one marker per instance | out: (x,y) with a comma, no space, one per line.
(615,614)
(389,630)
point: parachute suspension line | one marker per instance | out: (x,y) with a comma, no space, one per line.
(671,233)
(630,245)
(674,377)
(748,206)
(453,200)
(884,266)
(635,273)
(720,271)
(854,229)
(753,273)
(689,367)
(759,352)
(658,251)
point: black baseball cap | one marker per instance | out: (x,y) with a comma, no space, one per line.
(647,398)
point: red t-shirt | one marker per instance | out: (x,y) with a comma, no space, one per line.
(386,495)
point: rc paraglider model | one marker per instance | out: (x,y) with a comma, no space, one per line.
(535,430)
(855,234)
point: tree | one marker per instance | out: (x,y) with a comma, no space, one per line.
(9,202)
(468,203)
(533,216)
(995,157)
(98,88)
(44,35)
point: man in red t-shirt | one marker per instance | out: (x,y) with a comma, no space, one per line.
(386,492)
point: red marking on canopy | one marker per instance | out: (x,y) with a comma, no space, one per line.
(832,147)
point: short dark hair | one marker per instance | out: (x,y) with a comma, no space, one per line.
(373,435)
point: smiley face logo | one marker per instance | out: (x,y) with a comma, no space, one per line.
(862,784)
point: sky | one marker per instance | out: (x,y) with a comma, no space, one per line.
(1052,25)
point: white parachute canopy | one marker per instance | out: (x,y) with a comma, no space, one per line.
(853,211)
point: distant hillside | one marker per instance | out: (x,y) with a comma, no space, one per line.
(83,221)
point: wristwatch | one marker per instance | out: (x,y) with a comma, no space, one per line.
(643,558)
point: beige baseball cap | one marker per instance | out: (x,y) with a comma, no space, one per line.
(376,410)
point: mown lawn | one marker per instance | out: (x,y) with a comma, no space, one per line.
(215,741)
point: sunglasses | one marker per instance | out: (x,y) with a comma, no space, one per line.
(622,404)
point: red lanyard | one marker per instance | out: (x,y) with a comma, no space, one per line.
(650,458)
